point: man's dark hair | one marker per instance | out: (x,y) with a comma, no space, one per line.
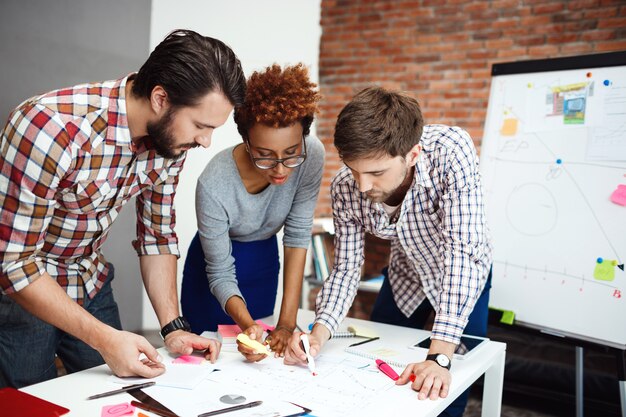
(189,66)
(378,122)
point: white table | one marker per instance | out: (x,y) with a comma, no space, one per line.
(70,391)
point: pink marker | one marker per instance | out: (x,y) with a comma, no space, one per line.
(386,369)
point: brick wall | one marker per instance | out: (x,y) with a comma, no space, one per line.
(441,52)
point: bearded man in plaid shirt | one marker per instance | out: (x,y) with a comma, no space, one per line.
(418,186)
(69,161)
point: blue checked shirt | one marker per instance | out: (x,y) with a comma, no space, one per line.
(440,243)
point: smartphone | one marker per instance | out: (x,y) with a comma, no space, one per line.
(468,345)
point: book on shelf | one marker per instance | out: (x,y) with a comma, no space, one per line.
(323,257)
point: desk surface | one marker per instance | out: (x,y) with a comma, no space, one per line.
(70,391)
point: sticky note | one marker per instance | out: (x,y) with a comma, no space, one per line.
(509,127)
(605,270)
(189,359)
(253,344)
(123,409)
(619,195)
(362,331)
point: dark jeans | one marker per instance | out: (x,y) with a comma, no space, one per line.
(256,266)
(28,345)
(386,311)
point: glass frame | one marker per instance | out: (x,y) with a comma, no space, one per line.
(276,161)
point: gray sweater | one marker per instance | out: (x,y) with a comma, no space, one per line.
(225,211)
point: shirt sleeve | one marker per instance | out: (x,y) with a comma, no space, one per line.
(299,221)
(466,255)
(340,288)
(213,229)
(156,216)
(35,154)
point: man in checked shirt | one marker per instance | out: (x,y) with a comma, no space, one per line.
(418,186)
(69,160)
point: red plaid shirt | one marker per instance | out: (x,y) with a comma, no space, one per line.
(67,166)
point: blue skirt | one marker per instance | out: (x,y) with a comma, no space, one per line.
(256,265)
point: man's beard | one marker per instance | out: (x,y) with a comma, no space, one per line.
(162,138)
(382,196)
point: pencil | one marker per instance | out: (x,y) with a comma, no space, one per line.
(123,389)
(365,341)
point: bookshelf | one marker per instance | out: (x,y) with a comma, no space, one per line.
(321,259)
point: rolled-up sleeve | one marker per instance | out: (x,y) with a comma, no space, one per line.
(35,154)
(156,216)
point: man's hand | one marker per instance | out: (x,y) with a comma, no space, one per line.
(184,343)
(122,350)
(278,339)
(254,332)
(430,380)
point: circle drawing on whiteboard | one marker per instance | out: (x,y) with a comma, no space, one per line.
(232,399)
(531,209)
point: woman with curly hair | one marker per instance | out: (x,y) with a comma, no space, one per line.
(245,195)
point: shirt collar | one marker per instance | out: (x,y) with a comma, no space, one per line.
(422,168)
(118,132)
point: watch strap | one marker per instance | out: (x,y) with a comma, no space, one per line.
(179,323)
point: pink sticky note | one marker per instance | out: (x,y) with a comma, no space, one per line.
(619,195)
(123,409)
(189,359)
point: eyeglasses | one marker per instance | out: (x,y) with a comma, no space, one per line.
(269,163)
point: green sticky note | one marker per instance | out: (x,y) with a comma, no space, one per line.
(508,317)
(605,270)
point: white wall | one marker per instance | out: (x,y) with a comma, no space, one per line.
(52,44)
(261,33)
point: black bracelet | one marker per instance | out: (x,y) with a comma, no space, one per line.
(179,323)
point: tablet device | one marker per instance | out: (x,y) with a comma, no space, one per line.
(465,349)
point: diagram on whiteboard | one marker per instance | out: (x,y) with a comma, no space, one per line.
(554,171)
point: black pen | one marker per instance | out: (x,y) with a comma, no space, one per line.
(123,389)
(364,341)
(229,409)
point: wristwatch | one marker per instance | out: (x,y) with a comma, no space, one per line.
(440,359)
(179,323)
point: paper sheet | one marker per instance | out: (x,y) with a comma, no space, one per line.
(177,375)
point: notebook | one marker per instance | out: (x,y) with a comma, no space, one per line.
(20,404)
(401,356)
(395,355)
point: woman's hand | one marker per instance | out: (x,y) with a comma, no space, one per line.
(278,339)
(254,332)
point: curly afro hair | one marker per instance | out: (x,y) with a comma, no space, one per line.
(278,98)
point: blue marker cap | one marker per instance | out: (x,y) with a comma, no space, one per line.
(607,83)
(599,260)
(559,161)
(310,326)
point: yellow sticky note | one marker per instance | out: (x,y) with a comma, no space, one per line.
(258,347)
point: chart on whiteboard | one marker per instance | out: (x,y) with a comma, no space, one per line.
(554,171)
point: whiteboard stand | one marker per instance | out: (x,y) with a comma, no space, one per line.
(579,382)
(621,370)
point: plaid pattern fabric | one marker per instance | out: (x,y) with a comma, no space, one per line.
(67,166)
(440,247)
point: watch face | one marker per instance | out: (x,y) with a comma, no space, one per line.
(443,360)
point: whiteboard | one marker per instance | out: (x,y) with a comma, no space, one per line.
(553,160)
